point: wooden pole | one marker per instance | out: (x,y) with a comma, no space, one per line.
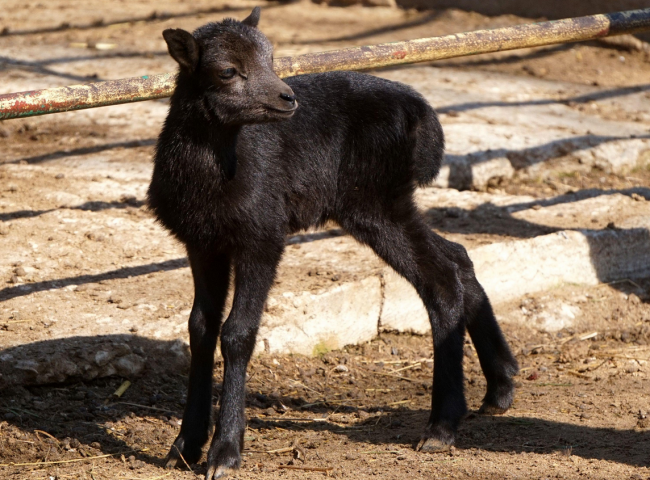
(113,92)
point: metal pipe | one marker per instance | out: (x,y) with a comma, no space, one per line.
(113,92)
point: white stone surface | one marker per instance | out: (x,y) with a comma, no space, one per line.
(308,323)
(403,310)
(619,157)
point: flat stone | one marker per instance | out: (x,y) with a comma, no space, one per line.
(617,157)
(310,323)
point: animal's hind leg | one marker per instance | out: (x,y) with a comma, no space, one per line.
(402,240)
(211,279)
(497,361)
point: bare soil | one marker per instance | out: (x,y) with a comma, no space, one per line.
(81,256)
(580,412)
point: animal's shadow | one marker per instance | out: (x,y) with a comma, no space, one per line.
(85,410)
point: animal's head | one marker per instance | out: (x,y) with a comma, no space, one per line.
(229,65)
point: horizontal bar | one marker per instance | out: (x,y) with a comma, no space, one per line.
(113,92)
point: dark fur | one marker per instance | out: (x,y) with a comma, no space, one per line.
(236,171)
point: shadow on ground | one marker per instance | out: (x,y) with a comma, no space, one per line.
(79,405)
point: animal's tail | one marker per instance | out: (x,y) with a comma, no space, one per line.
(429,148)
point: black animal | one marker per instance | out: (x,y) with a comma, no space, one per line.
(244,159)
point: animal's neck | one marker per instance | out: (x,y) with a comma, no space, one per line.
(203,128)
(223,141)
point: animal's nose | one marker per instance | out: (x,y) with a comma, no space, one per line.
(288,97)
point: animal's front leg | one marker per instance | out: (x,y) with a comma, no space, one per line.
(211,279)
(254,274)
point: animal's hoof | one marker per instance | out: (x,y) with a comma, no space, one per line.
(171,462)
(223,459)
(488,409)
(498,398)
(433,445)
(181,453)
(437,438)
(214,473)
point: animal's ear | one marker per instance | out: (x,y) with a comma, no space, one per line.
(253,19)
(183,48)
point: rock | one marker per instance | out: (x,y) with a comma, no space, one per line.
(129,199)
(556,315)
(473,171)
(367,3)
(637,197)
(617,156)
(344,314)
(634,299)
(102,357)
(65,360)
(380,3)
(130,365)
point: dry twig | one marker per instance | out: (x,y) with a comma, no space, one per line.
(325,470)
(11,464)
(185,461)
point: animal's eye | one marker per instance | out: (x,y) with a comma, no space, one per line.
(227,73)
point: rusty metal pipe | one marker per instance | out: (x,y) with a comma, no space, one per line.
(113,92)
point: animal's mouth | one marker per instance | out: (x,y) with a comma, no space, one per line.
(283,112)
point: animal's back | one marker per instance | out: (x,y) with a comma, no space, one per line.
(386,126)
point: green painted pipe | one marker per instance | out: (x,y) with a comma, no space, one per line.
(113,92)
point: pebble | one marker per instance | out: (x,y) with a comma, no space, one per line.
(634,299)
(363,415)
(59,176)
(20,271)
(129,199)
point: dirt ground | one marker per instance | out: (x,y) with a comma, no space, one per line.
(582,404)
(580,412)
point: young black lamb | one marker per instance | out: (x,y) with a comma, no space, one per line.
(244,159)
